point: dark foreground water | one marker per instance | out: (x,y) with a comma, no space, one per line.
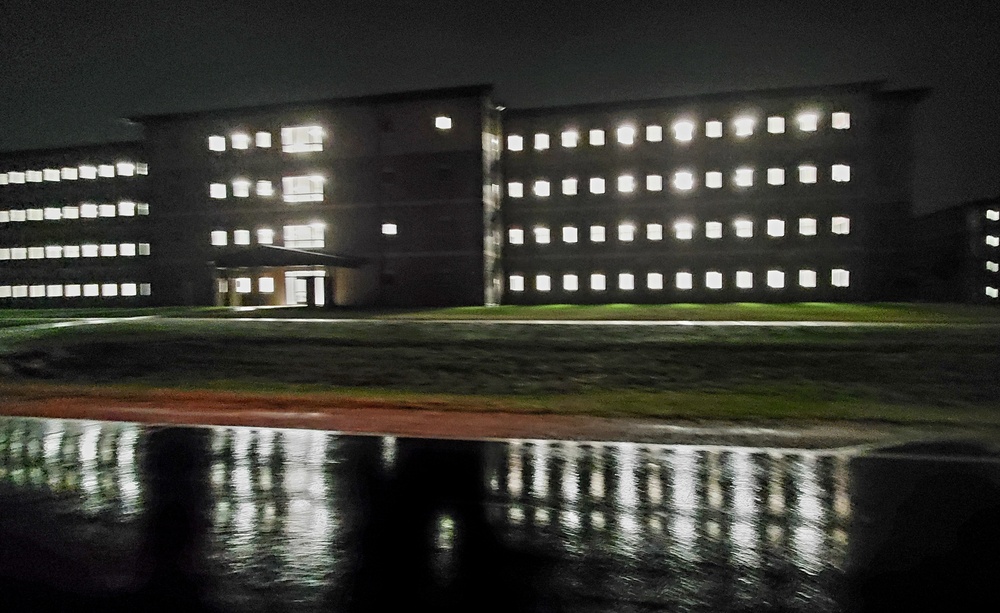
(112,516)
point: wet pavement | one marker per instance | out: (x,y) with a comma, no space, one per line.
(117,516)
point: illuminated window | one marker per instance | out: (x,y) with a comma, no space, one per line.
(570,283)
(992,241)
(107,210)
(109,290)
(775,176)
(542,235)
(776,125)
(840,277)
(626,135)
(597,234)
(265,188)
(241,188)
(302,189)
(36,291)
(626,281)
(262,139)
(840,225)
(684,280)
(683,180)
(543,283)
(597,185)
(389,229)
(5,291)
(265,236)
(841,173)
(36,253)
(808,122)
(217,190)
(50,174)
(569,138)
(145,289)
(516,283)
(72,290)
(219,238)
(304,236)
(993,215)
(301,139)
(109,250)
(713,129)
(129,289)
(70,174)
(684,130)
(18,215)
(4,216)
(743,126)
(713,280)
(243,285)
(240,140)
(654,183)
(39,214)
(71,212)
(54,291)
(744,228)
(807,278)
(126,209)
(713,229)
(143,248)
(71,251)
(106,170)
(807,226)
(4,180)
(626,232)
(684,230)
(993,266)
(744,279)
(53,213)
(542,189)
(541,141)
(654,232)
(20,291)
(626,184)
(743,177)
(89,251)
(775,279)
(598,283)
(840,121)
(807,173)
(217,143)
(86,172)
(142,208)
(19,177)
(596,138)
(654,133)
(515,142)
(992,292)
(442,122)
(515,189)
(127,250)
(570,234)
(241,237)
(35,176)
(713,179)
(19,253)
(654,280)
(775,227)
(569,187)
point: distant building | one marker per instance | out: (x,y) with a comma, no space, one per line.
(440,197)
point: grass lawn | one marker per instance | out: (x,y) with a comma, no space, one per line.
(925,374)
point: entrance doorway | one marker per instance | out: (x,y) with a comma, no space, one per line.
(305,288)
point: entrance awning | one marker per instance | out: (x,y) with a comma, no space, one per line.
(269,255)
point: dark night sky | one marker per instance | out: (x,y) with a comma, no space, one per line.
(70,70)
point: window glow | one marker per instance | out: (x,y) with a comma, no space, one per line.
(442,122)
(744,228)
(713,129)
(516,283)
(241,188)
(840,173)
(143,248)
(744,279)
(713,179)
(570,234)
(36,291)
(597,234)
(53,213)
(543,283)
(807,173)
(683,180)
(713,229)
(684,280)
(19,215)
(54,291)
(776,125)
(4,180)
(626,281)
(808,121)
(840,225)
(18,177)
(654,183)
(626,232)
(626,134)
(569,138)
(775,279)
(807,226)
(50,174)
(265,236)
(654,280)
(775,176)
(598,283)
(217,143)
(542,235)
(106,170)
(775,227)
(542,189)
(240,140)
(126,209)
(109,250)
(743,126)
(302,189)
(389,229)
(840,277)
(301,139)
(142,208)
(654,232)
(743,177)
(106,210)
(993,266)
(541,141)
(241,237)
(626,184)
(992,241)
(992,215)
(37,253)
(807,278)
(71,251)
(86,172)
(263,140)
(569,187)
(127,250)
(89,251)
(217,190)
(992,292)
(684,230)
(654,133)
(219,238)
(515,142)
(515,189)
(243,285)
(596,185)
(265,188)
(570,283)
(304,236)
(596,138)
(19,253)
(840,121)
(35,176)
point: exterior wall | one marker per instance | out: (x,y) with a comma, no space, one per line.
(875,199)
(47,204)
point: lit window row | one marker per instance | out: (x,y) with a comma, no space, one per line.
(308,188)
(72,173)
(55,252)
(681,130)
(294,139)
(681,181)
(244,285)
(684,280)
(75,290)
(295,236)
(682,230)
(84,211)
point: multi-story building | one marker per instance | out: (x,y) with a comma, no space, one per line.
(395,200)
